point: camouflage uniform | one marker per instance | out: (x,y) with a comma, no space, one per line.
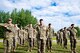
(57,37)
(18,37)
(61,37)
(15,37)
(73,41)
(49,38)
(8,41)
(21,36)
(41,37)
(34,37)
(65,34)
(30,37)
(26,32)
(25,36)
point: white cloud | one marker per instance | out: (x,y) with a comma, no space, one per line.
(65,13)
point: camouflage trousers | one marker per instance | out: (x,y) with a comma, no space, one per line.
(65,42)
(61,41)
(57,39)
(49,43)
(34,41)
(30,42)
(14,42)
(21,41)
(73,43)
(41,46)
(8,44)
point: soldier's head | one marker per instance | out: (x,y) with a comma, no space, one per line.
(72,25)
(64,27)
(61,30)
(15,25)
(41,21)
(9,20)
(49,24)
(30,25)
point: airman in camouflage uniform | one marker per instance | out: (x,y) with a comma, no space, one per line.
(30,37)
(49,37)
(21,36)
(15,38)
(73,41)
(8,41)
(34,37)
(25,36)
(57,37)
(41,37)
(65,34)
(26,32)
(61,37)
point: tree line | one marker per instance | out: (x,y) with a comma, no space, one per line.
(21,17)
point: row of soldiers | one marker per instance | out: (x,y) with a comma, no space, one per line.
(14,36)
(62,37)
(39,34)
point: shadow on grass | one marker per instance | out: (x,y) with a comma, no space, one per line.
(1,48)
(60,50)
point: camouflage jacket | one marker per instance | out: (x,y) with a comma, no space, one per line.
(41,32)
(49,33)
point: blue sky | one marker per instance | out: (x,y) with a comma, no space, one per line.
(60,13)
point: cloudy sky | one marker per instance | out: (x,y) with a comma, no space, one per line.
(60,13)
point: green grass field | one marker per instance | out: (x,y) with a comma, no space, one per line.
(56,49)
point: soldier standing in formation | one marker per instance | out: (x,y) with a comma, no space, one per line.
(41,37)
(25,36)
(21,37)
(57,37)
(15,37)
(30,37)
(61,37)
(65,34)
(8,41)
(34,37)
(73,41)
(49,37)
